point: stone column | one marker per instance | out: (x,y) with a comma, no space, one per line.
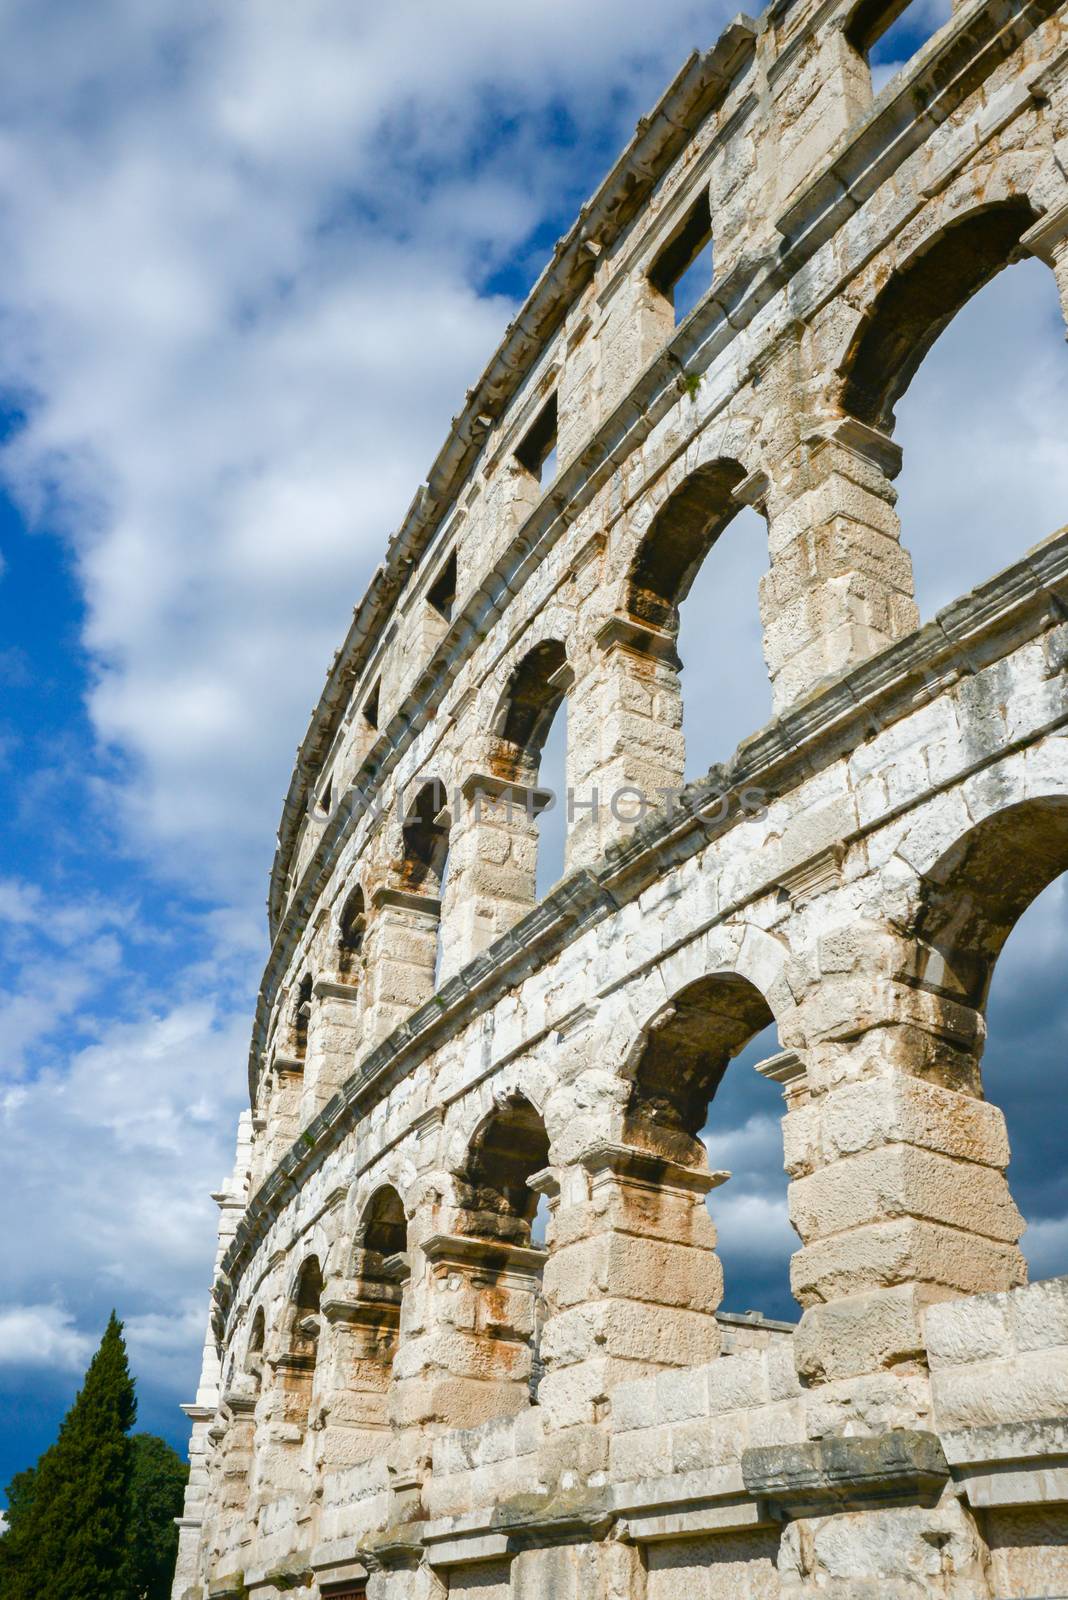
(235,1426)
(284,1094)
(493,854)
(1048,240)
(231,1201)
(625,729)
(361,1321)
(401,946)
(465,1353)
(607,1570)
(632,1281)
(332,1045)
(898,1185)
(839,586)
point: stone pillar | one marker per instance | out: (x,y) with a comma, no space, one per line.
(231,1201)
(825,94)
(465,1353)
(361,1321)
(607,1570)
(332,1044)
(839,586)
(401,945)
(632,1281)
(190,1524)
(493,855)
(625,729)
(1048,240)
(235,1427)
(898,1184)
(284,1095)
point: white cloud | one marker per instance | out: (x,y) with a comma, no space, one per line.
(41,1336)
(1045,1244)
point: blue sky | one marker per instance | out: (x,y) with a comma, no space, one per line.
(252,260)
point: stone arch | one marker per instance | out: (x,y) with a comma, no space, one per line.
(709,1002)
(494,1198)
(976,882)
(973,895)
(351,926)
(493,1249)
(527,1079)
(680,1059)
(531,699)
(302,1009)
(678,539)
(382,1230)
(255,1348)
(424,840)
(379,1269)
(303,1308)
(919,300)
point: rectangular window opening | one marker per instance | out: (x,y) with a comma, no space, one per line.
(537,452)
(889,35)
(370,705)
(682,272)
(442,592)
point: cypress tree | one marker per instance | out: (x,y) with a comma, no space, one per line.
(69,1536)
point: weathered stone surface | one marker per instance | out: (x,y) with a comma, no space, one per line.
(466,1334)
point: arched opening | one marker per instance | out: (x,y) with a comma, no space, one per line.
(966,365)
(920,300)
(425,866)
(299,1360)
(530,752)
(254,1350)
(686,1107)
(498,1207)
(698,615)
(494,1193)
(302,1007)
(426,841)
(985,460)
(351,926)
(1023,1072)
(678,540)
(380,1269)
(991,934)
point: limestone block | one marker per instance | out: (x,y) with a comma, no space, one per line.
(898,1180)
(1023,1386)
(667,1336)
(606,1571)
(863,1116)
(706,1442)
(645,1453)
(861,1333)
(896,1252)
(723,1567)
(643,1270)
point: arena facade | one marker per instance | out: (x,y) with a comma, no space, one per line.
(411,1387)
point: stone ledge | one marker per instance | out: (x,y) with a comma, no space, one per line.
(1011,1463)
(847,1473)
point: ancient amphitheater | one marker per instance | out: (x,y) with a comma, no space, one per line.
(406,1392)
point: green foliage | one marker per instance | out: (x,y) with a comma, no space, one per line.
(68,1533)
(157,1489)
(692,382)
(20,1496)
